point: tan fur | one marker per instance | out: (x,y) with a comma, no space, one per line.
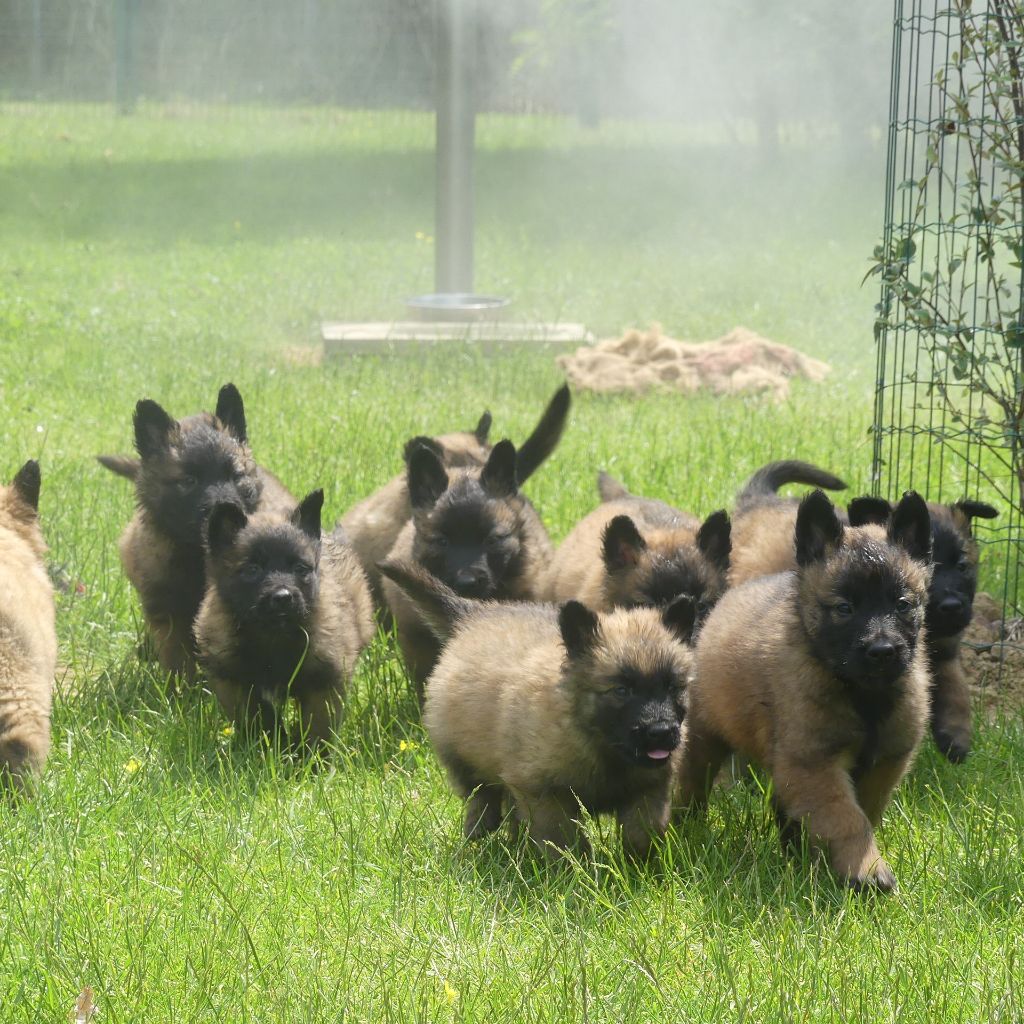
(504,708)
(372,526)
(342,627)
(418,645)
(762,542)
(28,642)
(577,570)
(761,692)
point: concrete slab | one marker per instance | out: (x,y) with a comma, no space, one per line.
(383,336)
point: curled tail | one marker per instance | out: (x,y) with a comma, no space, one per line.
(546,435)
(438,605)
(122,465)
(611,489)
(768,479)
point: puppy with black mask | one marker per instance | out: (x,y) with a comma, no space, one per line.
(287,613)
(473,530)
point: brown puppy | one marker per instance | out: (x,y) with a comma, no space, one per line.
(950,607)
(28,640)
(373,526)
(184,469)
(556,709)
(475,532)
(287,613)
(638,551)
(762,523)
(820,675)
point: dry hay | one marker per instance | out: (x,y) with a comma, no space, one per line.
(990,642)
(740,362)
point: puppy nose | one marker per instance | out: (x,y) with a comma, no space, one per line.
(950,605)
(469,579)
(282,599)
(881,651)
(663,735)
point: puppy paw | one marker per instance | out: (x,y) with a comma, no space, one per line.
(878,877)
(954,745)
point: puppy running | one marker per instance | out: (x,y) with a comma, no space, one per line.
(28,639)
(553,709)
(287,613)
(638,551)
(821,676)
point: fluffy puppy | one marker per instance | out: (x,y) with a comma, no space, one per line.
(553,709)
(28,639)
(820,675)
(287,613)
(373,525)
(475,532)
(950,607)
(184,469)
(762,523)
(637,551)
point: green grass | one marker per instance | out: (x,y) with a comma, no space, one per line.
(187,877)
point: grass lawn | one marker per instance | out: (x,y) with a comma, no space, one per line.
(186,877)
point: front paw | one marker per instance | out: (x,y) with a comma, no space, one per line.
(878,876)
(954,744)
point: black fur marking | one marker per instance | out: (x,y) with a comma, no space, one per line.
(426,477)
(911,528)
(483,427)
(153,428)
(680,617)
(976,509)
(422,441)
(226,521)
(954,582)
(498,476)
(27,482)
(579,627)
(622,544)
(818,530)
(667,579)
(867,510)
(714,538)
(231,411)
(307,515)
(545,436)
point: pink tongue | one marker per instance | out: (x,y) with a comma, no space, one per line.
(658,755)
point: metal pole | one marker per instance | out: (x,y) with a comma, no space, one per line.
(456,114)
(124,84)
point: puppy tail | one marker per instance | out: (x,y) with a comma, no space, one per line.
(768,479)
(546,435)
(611,489)
(438,605)
(122,465)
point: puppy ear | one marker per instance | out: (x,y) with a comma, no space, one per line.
(483,427)
(231,412)
(421,441)
(580,628)
(307,515)
(425,477)
(225,523)
(714,539)
(868,511)
(818,530)
(680,617)
(498,476)
(975,509)
(911,527)
(153,429)
(26,485)
(621,544)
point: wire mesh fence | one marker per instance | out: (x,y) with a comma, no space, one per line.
(949,412)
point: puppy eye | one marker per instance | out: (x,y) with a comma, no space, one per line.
(963,565)
(844,609)
(250,572)
(186,484)
(903,606)
(622,692)
(302,569)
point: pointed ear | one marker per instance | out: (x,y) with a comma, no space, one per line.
(225,523)
(421,441)
(307,515)
(153,429)
(579,627)
(911,527)
(483,427)
(621,544)
(231,412)
(498,476)
(426,478)
(714,539)
(26,484)
(867,511)
(680,617)
(818,530)
(975,509)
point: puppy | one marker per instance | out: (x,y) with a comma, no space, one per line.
(373,525)
(287,613)
(762,523)
(637,551)
(184,469)
(28,639)
(821,676)
(475,532)
(950,607)
(553,709)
